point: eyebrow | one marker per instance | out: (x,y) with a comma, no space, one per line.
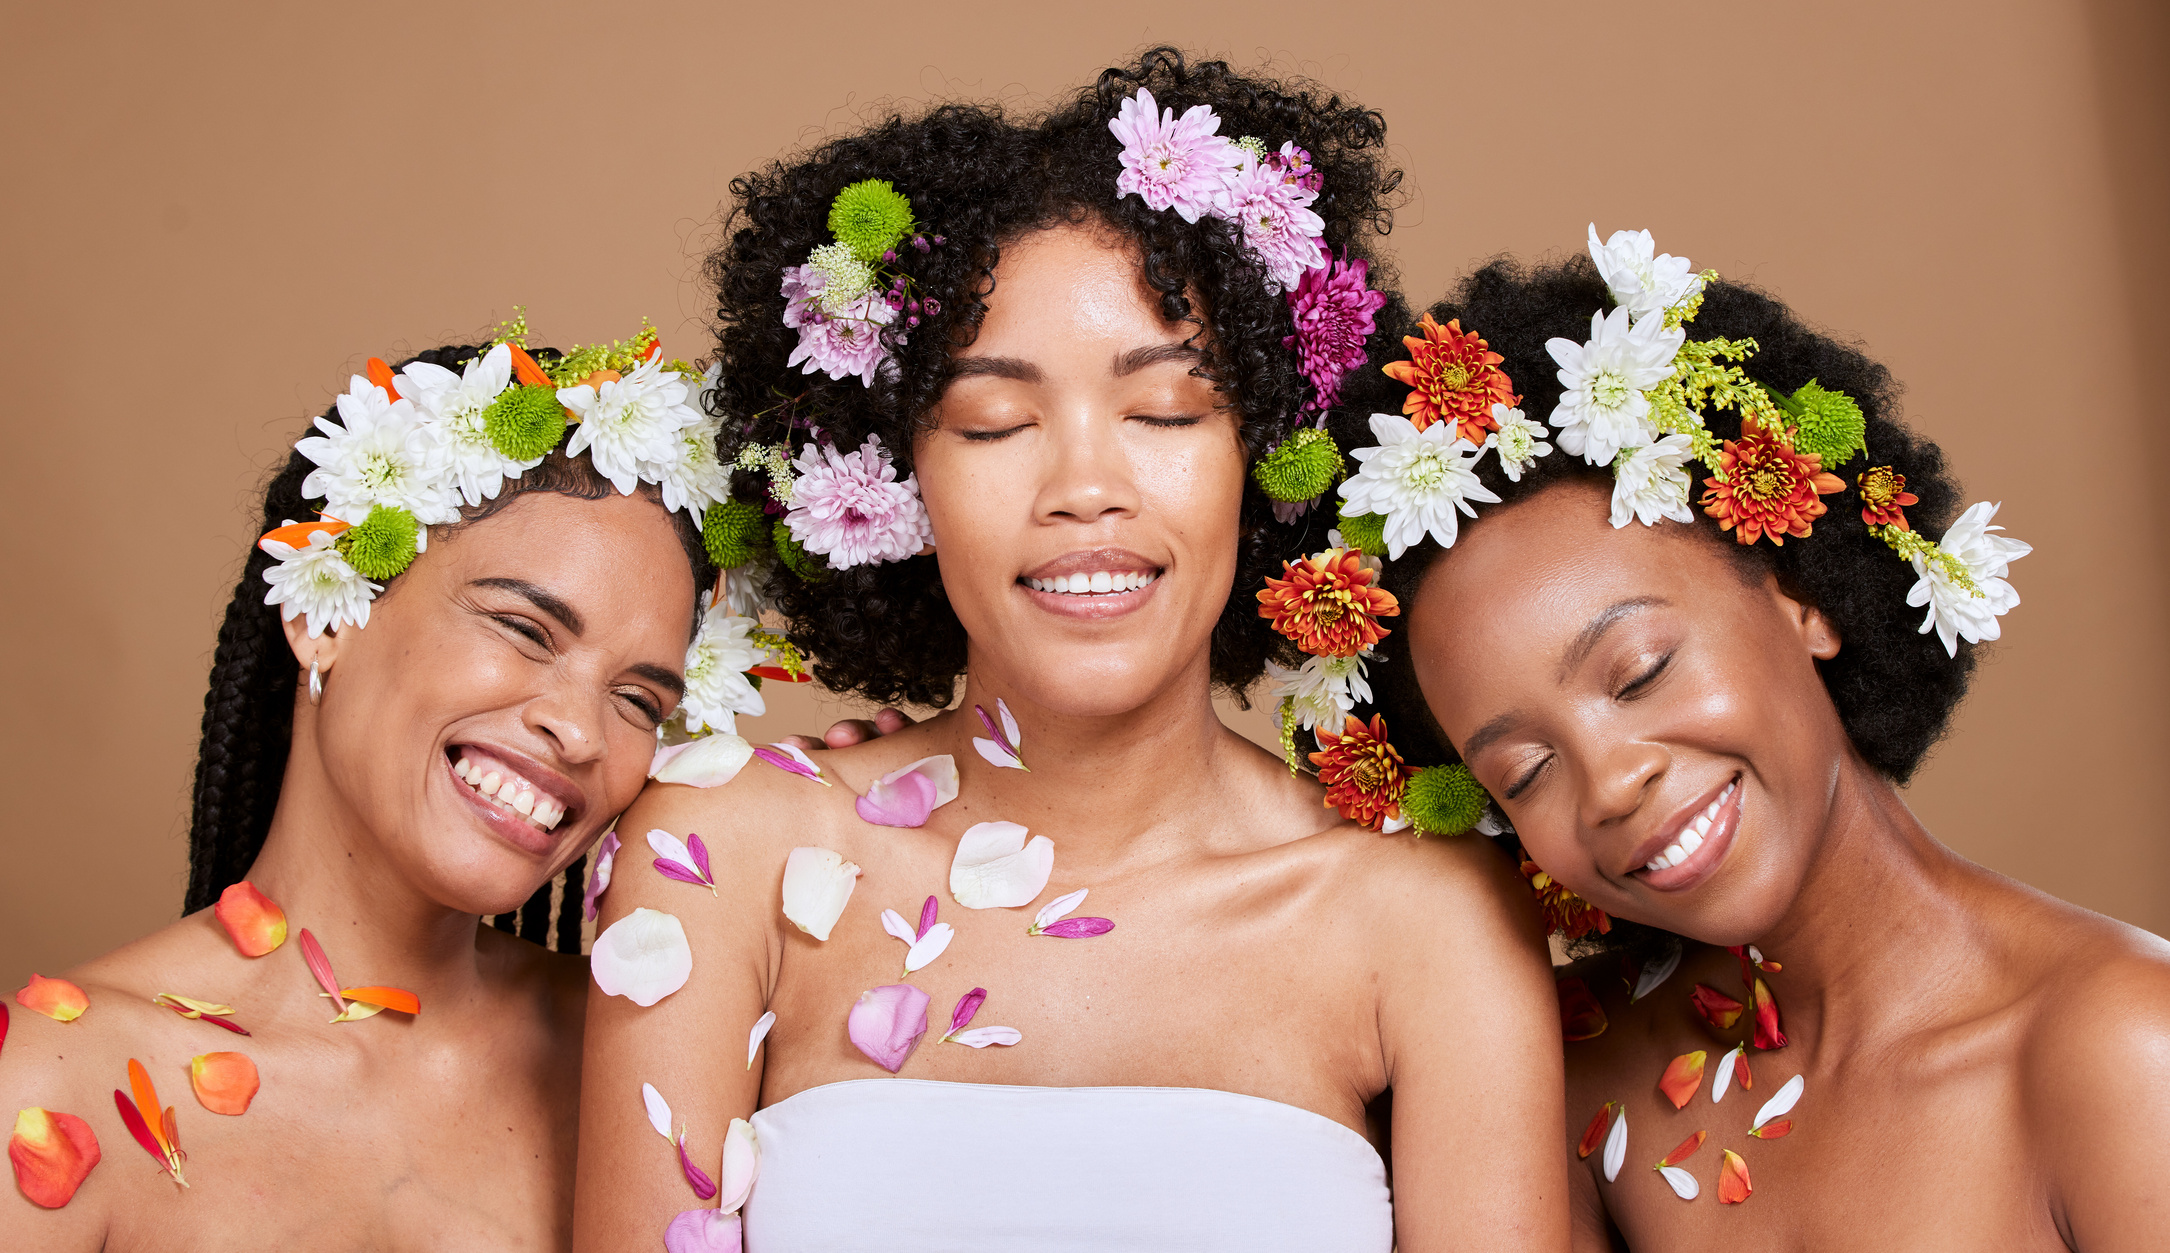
(1153,354)
(1489,732)
(1014,368)
(566,615)
(661,678)
(1594,630)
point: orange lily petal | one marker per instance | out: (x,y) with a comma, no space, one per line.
(1768,1034)
(225,1083)
(388,998)
(597,378)
(525,369)
(296,534)
(255,922)
(1682,1151)
(1581,1017)
(52,1155)
(1595,1134)
(1773,1130)
(1682,1076)
(57,999)
(1733,1185)
(321,966)
(1718,1009)
(146,1094)
(381,375)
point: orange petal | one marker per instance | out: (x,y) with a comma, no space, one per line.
(525,369)
(1683,1151)
(1581,1017)
(296,534)
(1768,1034)
(597,378)
(225,1083)
(139,1083)
(52,1155)
(381,375)
(1682,1076)
(255,922)
(1740,1072)
(57,999)
(1595,1134)
(1718,1009)
(1773,1130)
(1733,1185)
(388,998)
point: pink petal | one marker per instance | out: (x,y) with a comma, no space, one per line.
(904,802)
(1011,739)
(683,873)
(792,758)
(759,1033)
(700,858)
(886,1023)
(642,957)
(996,754)
(703,1186)
(710,761)
(927,914)
(817,885)
(1079,928)
(941,768)
(981,1037)
(893,922)
(670,847)
(1058,907)
(659,1110)
(321,966)
(967,1005)
(704,1231)
(997,868)
(741,1162)
(599,876)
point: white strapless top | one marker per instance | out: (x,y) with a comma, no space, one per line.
(916,1165)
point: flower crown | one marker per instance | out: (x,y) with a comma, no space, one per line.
(1634,400)
(411,449)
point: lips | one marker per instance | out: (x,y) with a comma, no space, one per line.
(496,780)
(1094,584)
(1691,845)
(1691,837)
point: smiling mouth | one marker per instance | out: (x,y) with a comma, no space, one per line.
(1096,583)
(1691,838)
(503,787)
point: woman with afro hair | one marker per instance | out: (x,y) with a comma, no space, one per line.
(1014,401)
(1695,707)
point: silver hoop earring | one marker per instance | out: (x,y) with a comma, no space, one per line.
(316,683)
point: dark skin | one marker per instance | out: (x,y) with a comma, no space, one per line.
(1983,1063)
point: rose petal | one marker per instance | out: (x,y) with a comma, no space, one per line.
(704,1231)
(741,1163)
(759,1033)
(1721,1078)
(57,999)
(1079,928)
(256,924)
(1682,1076)
(817,884)
(1684,1185)
(1733,1184)
(941,769)
(1056,909)
(1781,1102)
(1656,972)
(225,1083)
(981,1037)
(1616,1146)
(1594,1134)
(1684,1150)
(659,1111)
(52,1154)
(960,1016)
(1768,1035)
(928,947)
(1717,1009)
(997,868)
(710,761)
(906,801)
(642,957)
(1581,1017)
(886,1023)
(599,877)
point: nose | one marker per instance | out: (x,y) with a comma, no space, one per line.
(1087,475)
(570,721)
(1621,775)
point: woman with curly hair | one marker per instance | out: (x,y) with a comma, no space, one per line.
(1695,704)
(1008,397)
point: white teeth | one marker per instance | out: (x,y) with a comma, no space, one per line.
(524,803)
(510,789)
(1099,582)
(459,769)
(1692,841)
(1675,854)
(1103,582)
(489,783)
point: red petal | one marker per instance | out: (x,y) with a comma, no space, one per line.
(777,674)
(1768,1034)
(57,999)
(1595,1134)
(391,998)
(321,967)
(1684,1150)
(1581,1017)
(3,1024)
(1718,1009)
(255,922)
(52,1155)
(1733,1185)
(1773,1130)
(225,1083)
(137,1127)
(1682,1076)
(1740,1072)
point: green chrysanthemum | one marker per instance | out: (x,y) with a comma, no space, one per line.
(525,422)
(1830,424)
(1365,532)
(383,545)
(1306,464)
(1444,800)
(795,557)
(870,217)
(734,532)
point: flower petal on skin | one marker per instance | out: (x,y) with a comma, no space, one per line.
(710,761)
(674,860)
(1740,1072)
(1616,1146)
(1051,920)
(1773,1130)
(928,912)
(1715,1007)
(355,1011)
(642,957)
(696,1178)
(1781,1102)
(57,999)
(741,1163)
(1682,1076)
(185,1006)
(1768,1034)
(1594,1134)
(606,855)
(256,924)
(898,929)
(1002,749)
(940,769)
(224,1083)
(793,759)
(321,967)
(1655,972)
(1721,1078)
(905,801)
(968,1005)
(52,1154)
(1733,1184)
(759,1033)
(817,885)
(1683,1183)
(1581,1017)
(1055,909)
(981,1037)
(996,867)
(886,1024)
(1079,928)
(1683,1151)
(659,1111)
(928,947)
(385,998)
(705,1231)
(3,1025)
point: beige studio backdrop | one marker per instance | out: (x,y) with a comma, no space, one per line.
(215,212)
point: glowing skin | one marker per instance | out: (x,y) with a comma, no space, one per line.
(1981,1061)
(454,1129)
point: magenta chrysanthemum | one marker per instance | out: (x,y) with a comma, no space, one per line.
(1170,162)
(1279,230)
(1333,309)
(850,508)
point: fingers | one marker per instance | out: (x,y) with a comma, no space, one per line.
(889,721)
(808,742)
(851,731)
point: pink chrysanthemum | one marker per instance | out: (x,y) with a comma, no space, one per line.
(838,344)
(1294,164)
(850,508)
(1279,230)
(1333,310)
(1173,163)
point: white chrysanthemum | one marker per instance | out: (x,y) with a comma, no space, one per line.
(717,689)
(1650,483)
(1520,441)
(1642,279)
(1603,408)
(1418,479)
(1954,612)
(1324,689)
(845,276)
(383,455)
(452,406)
(317,581)
(696,477)
(624,422)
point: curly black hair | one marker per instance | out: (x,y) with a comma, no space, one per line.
(248,711)
(981,179)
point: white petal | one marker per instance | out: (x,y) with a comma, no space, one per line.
(1616,1147)
(1009,723)
(659,1110)
(741,1162)
(710,761)
(1054,910)
(994,754)
(1656,972)
(642,957)
(759,1033)
(1721,1076)
(996,867)
(1684,1184)
(940,769)
(928,947)
(1781,1103)
(667,845)
(981,1037)
(893,922)
(817,883)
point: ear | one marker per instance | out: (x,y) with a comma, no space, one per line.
(1818,635)
(323,650)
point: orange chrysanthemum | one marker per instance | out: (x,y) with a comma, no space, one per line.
(1564,912)
(1330,608)
(1765,488)
(1452,375)
(1884,497)
(1363,774)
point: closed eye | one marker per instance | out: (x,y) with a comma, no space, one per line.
(989,437)
(522,627)
(1642,681)
(1529,776)
(1152,420)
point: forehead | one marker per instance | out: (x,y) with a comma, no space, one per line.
(1075,283)
(620,554)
